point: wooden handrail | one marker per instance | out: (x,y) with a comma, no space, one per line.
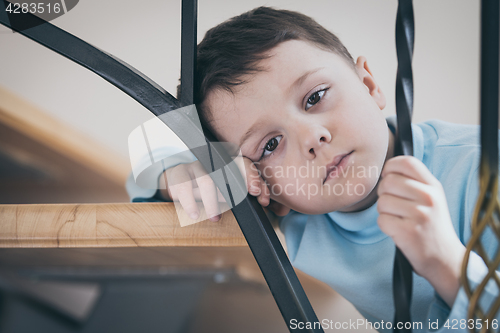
(110,225)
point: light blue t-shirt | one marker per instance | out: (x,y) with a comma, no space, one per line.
(351,254)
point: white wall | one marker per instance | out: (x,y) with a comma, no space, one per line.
(146,34)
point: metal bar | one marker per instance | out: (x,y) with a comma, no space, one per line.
(189,13)
(489,83)
(268,252)
(262,240)
(403,272)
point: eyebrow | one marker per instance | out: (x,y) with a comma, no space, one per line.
(251,130)
(293,86)
(301,79)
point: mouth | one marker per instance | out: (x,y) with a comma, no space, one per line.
(338,162)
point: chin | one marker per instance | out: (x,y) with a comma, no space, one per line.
(311,209)
(364,201)
(316,207)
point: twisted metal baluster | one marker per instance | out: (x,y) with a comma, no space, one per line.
(403,272)
(487,211)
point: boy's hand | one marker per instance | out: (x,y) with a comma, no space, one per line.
(414,213)
(194,184)
(258,188)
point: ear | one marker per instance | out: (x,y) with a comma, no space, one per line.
(367,78)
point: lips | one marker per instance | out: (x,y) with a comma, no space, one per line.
(335,163)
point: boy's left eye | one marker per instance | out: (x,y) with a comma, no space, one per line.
(315,98)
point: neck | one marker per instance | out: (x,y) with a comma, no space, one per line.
(372,197)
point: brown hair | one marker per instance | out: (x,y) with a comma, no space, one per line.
(233,48)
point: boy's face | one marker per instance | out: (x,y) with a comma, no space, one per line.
(300,116)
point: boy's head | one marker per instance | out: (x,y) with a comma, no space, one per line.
(234,48)
(287,92)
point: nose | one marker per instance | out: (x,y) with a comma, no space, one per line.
(314,137)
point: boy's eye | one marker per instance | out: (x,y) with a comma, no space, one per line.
(271,145)
(315,98)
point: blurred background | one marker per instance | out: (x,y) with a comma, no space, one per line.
(64,131)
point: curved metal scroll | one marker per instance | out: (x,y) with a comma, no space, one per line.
(403,272)
(487,211)
(262,240)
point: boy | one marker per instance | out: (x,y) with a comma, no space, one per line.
(289,94)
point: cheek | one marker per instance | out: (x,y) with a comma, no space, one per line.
(373,154)
(294,187)
(366,127)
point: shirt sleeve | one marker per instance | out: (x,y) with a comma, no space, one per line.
(143,186)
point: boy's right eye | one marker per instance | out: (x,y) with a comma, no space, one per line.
(270,146)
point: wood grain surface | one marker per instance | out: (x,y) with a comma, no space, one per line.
(120,237)
(110,225)
(95,241)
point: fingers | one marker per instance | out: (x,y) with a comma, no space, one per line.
(390,204)
(265,195)
(411,167)
(252,177)
(189,182)
(207,191)
(181,188)
(402,208)
(407,188)
(243,165)
(256,185)
(197,194)
(389,224)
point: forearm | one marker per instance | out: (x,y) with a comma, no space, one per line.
(446,278)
